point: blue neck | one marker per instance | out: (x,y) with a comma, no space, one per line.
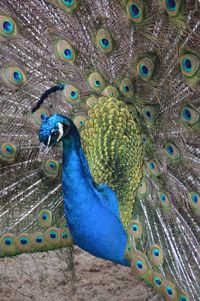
(93,227)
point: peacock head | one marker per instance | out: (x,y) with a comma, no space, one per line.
(55,128)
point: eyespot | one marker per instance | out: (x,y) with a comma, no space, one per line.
(13,76)
(8,244)
(79,121)
(189,64)
(23,242)
(65,51)
(128,251)
(194,200)
(51,169)
(8,152)
(38,116)
(153,168)
(110,91)
(96,81)
(8,241)
(142,188)
(139,264)
(66,238)
(67,5)
(189,116)
(145,69)
(8,27)
(135,229)
(156,255)
(52,236)
(172,7)
(164,198)
(132,110)
(169,291)
(172,151)
(37,241)
(145,140)
(126,87)
(149,114)
(183,296)
(157,281)
(45,218)
(135,10)
(71,93)
(104,41)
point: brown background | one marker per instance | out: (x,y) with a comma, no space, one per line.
(43,277)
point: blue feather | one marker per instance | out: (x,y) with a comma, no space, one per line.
(91,211)
(109,198)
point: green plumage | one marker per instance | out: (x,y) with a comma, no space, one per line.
(108,136)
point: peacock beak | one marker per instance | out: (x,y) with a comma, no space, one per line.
(44,150)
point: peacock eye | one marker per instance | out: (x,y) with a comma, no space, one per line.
(156,255)
(172,7)
(68,2)
(72,94)
(96,81)
(104,41)
(13,76)
(135,10)
(135,229)
(64,51)
(189,64)
(54,134)
(7,26)
(51,169)
(67,5)
(157,281)
(184,296)
(172,151)
(164,198)
(145,68)
(149,114)
(189,116)
(126,87)
(79,121)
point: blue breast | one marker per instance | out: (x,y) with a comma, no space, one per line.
(91,211)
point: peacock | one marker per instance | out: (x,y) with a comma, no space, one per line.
(99,134)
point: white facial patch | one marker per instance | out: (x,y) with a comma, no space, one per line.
(49,140)
(60,127)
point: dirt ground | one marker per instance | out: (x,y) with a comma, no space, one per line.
(44,277)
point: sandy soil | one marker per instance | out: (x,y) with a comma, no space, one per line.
(44,277)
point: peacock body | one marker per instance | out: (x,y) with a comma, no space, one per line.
(123,78)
